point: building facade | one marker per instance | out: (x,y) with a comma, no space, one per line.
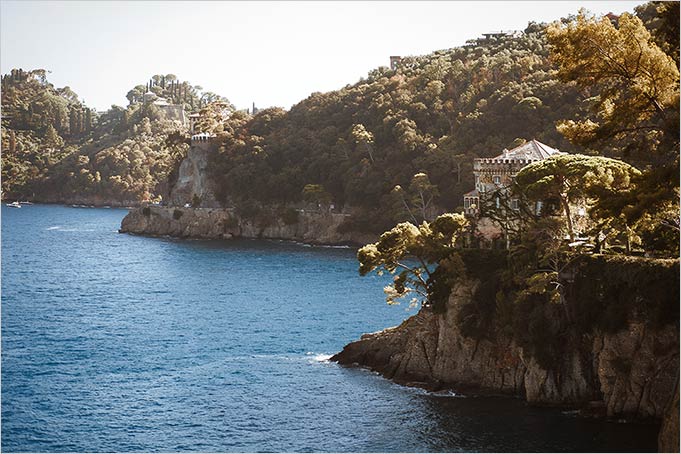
(494,176)
(497,173)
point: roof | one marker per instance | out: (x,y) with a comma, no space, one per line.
(529,150)
(473,193)
(203,135)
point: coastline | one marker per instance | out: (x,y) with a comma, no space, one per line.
(313,228)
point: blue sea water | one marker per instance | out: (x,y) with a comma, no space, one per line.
(113,342)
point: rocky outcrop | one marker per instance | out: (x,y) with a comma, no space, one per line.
(193,184)
(224,223)
(632,373)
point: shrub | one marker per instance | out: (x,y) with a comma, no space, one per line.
(146,211)
(289,216)
(177,214)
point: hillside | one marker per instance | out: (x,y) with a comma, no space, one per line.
(55,149)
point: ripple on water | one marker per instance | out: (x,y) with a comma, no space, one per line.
(114,342)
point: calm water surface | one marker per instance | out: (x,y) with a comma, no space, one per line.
(113,342)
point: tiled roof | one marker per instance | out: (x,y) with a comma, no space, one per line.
(473,193)
(529,150)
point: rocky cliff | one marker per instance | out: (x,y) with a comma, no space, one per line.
(193,184)
(631,373)
(224,223)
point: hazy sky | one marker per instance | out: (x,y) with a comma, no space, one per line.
(270,53)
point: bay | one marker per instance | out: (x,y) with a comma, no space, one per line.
(122,343)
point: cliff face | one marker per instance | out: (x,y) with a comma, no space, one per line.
(193,178)
(224,223)
(628,374)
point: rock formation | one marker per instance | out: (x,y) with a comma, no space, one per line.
(632,373)
(224,223)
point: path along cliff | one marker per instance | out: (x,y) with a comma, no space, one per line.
(628,373)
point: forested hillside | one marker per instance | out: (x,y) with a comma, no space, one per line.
(56,149)
(397,140)
(430,116)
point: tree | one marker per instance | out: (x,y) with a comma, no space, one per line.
(574,178)
(417,201)
(363,139)
(637,107)
(316,194)
(429,244)
(637,83)
(52,138)
(662,20)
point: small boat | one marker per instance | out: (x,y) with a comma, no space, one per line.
(14,205)
(26,203)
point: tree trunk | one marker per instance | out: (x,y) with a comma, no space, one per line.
(566,210)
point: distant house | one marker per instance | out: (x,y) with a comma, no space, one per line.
(193,119)
(395,61)
(501,34)
(172,111)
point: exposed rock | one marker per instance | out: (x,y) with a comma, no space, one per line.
(192,180)
(630,374)
(222,223)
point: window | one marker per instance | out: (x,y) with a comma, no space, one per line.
(539,207)
(514,204)
(496,179)
(466,203)
(497,202)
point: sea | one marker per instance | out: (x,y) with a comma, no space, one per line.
(119,343)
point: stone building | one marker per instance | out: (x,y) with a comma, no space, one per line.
(497,174)
(492,174)
(171,111)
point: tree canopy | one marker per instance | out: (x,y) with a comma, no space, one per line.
(409,252)
(637,104)
(572,179)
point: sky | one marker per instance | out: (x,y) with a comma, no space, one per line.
(267,53)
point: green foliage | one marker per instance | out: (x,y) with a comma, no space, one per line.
(631,66)
(574,178)
(290,216)
(430,243)
(608,291)
(431,117)
(637,83)
(543,311)
(56,149)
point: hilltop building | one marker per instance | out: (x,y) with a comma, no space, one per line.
(172,111)
(395,61)
(501,34)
